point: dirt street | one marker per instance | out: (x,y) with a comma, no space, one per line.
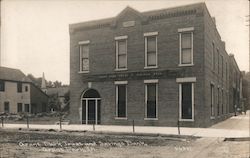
(51,144)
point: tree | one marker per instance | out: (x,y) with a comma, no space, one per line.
(57,84)
(54,102)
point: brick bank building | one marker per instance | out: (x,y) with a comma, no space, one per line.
(154,67)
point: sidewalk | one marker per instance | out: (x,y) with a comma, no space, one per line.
(234,127)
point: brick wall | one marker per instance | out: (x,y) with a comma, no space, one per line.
(102,61)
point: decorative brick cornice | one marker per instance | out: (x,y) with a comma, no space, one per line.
(172,14)
(146,17)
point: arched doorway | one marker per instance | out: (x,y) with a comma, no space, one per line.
(91,107)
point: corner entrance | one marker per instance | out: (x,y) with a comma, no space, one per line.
(91,107)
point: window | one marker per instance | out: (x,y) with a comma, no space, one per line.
(186,98)
(186,101)
(27,108)
(213,57)
(226,71)
(212,99)
(218,102)
(121,101)
(151,100)
(26,88)
(6,107)
(218,59)
(222,67)
(19,107)
(84,56)
(186,46)
(121,52)
(19,87)
(222,101)
(151,49)
(2,86)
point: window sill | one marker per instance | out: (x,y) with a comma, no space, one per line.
(187,120)
(153,119)
(123,69)
(150,67)
(186,65)
(121,118)
(83,72)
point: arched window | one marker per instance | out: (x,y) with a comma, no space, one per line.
(91,93)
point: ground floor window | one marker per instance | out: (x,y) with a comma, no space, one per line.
(186,108)
(151,100)
(218,102)
(212,99)
(121,101)
(26,107)
(19,107)
(6,107)
(222,102)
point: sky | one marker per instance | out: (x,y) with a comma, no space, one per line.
(35,33)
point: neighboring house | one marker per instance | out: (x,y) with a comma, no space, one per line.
(19,94)
(157,68)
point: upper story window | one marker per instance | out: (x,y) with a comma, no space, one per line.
(2,86)
(226,71)
(26,88)
(121,52)
(222,67)
(151,49)
(84,56)
(213,57)
(218,59)
(19,87)
(186,46)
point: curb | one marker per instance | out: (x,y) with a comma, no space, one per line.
(238,139)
